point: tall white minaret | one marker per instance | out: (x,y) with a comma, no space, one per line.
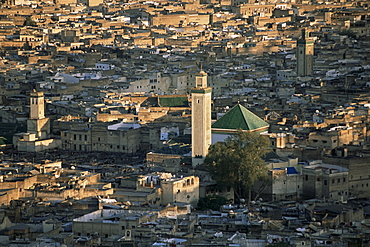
(200,118)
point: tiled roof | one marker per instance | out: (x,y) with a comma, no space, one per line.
(291,170)
(239,117)
(173,101)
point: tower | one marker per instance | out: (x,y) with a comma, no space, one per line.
(37,124)
(37,105)
(200,118)
(305,50)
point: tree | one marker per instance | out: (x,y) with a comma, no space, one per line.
(211,202)
(238,162)
(29,22)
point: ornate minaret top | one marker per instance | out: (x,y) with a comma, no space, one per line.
(201,79)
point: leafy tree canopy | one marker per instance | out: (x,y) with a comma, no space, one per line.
(238,162)
(211,202)
(29,22)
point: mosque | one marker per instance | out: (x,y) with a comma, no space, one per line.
(204,133)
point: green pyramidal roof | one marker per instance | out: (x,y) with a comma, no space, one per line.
(239,117)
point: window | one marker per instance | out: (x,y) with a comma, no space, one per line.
(325,182)
(338,180)
(344,180)
(306,177)
(332,181)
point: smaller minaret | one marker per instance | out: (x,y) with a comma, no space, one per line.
(37,105)
(201,96)
(37,123)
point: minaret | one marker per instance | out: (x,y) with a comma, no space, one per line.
(305,51)
(37,105)
(200,118)
(37,124)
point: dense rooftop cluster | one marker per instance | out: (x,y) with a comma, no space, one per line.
(95,118)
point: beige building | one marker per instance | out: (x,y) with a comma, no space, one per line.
(169,162)
(108,222)
(286,180)
(158,188)
(262,10)
(182,19)
(324,181)
(332,138)
(359,173)
(183,189)
(120,138)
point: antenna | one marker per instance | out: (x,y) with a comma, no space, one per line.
(200,65)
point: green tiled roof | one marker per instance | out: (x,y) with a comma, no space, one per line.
(239,117)
(2,140)
(173,101)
